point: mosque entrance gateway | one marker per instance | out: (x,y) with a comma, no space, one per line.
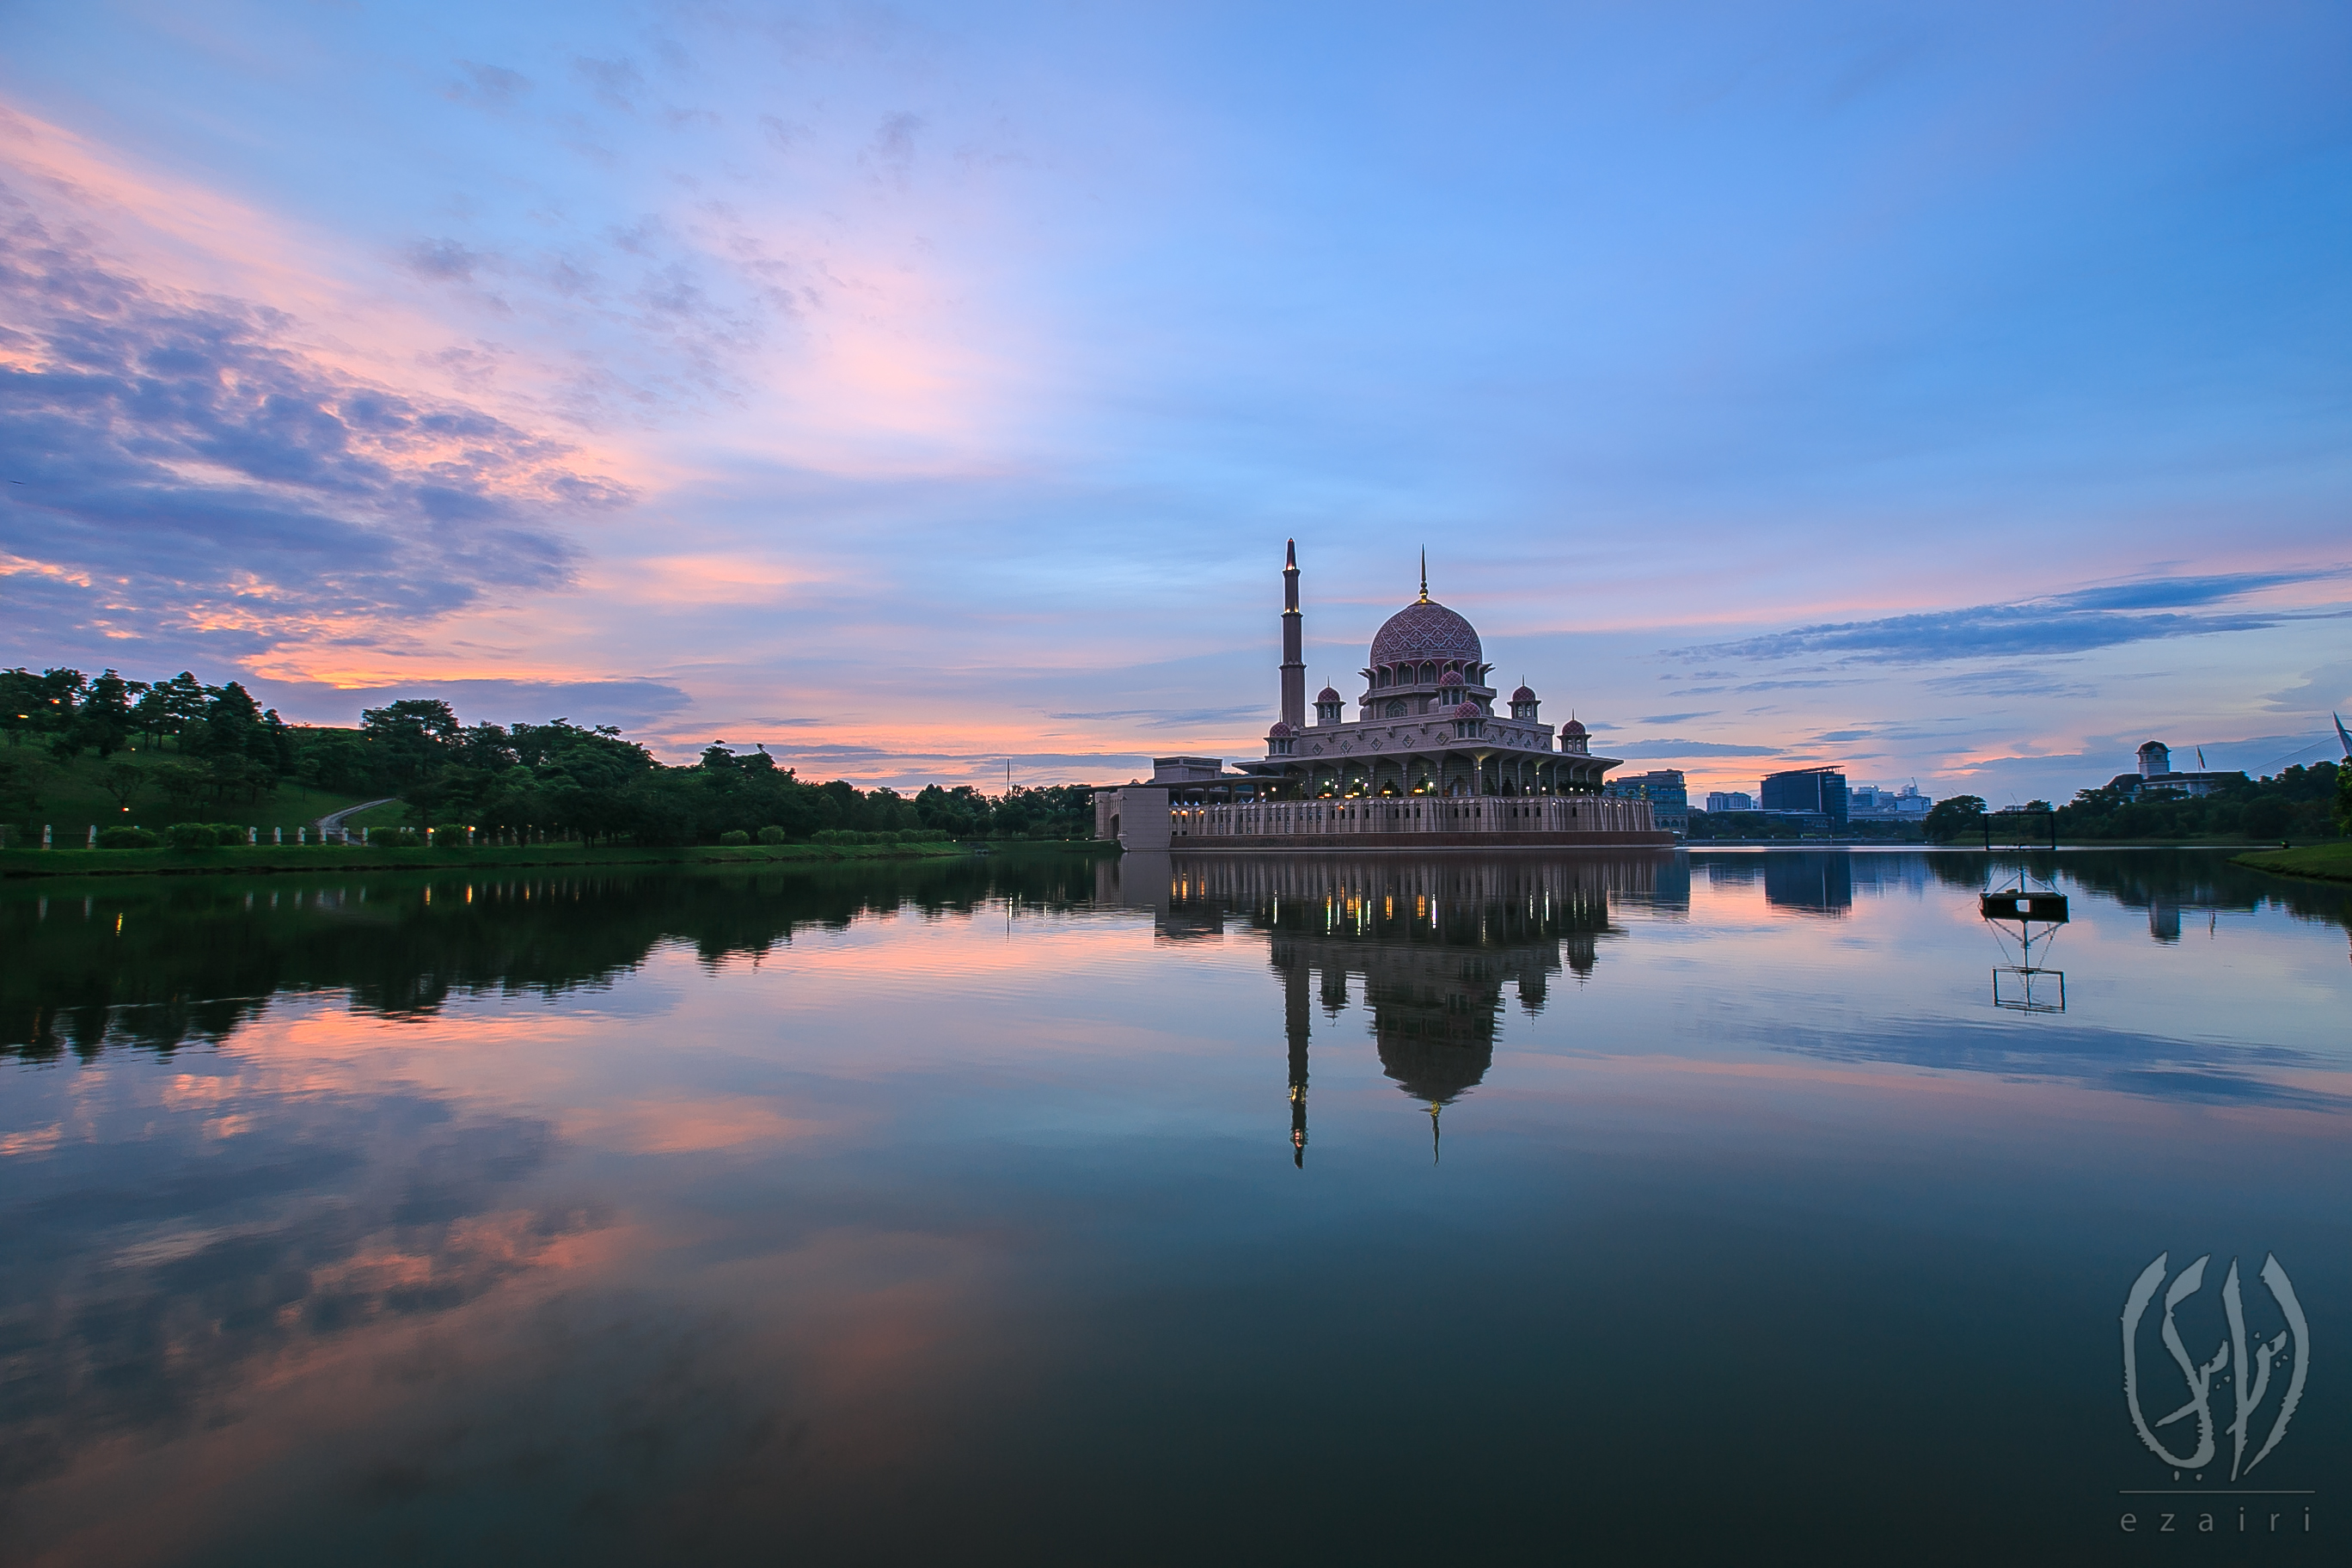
(1427,761)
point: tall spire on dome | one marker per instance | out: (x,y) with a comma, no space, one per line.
(1424,574)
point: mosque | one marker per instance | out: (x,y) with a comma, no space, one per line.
(1425,764)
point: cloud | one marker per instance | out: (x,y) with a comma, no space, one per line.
(616,82)
(2125,1063)
(893,147)
(488,86)
(2184,592)
(188,470)
(1681,748)
(631,704)
(441,261)
(2324,690)
(1754,686)
(1675,718)
(2009,681)
(2066,623)
(1171,718)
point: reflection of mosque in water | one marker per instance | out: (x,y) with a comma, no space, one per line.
(1431,943)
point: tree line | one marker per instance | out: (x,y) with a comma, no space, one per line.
(2313,802)
(222,748)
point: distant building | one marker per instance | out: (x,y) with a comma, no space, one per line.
(1665,789)
(2156,779)
(1819,790)
(1730,800)
(1868,803)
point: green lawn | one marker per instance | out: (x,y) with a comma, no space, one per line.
(335,856)
(73,797)
(2332,862)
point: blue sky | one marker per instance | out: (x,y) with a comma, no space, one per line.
(1955,394)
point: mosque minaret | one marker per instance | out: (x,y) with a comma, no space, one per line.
(1293,644)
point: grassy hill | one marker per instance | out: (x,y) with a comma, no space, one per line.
(71,796)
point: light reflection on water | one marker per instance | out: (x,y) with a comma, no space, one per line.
(1671,1207)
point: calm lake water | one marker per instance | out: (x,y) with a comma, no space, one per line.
(1694,1207)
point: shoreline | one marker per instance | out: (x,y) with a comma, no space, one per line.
(2311,863)
(272,859)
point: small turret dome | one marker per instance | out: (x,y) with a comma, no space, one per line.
(1329,694)
(1450,678)
(1523,695)
(1571,728)
(1280,732)
(1469,710)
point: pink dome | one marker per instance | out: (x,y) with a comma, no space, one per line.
(1523,694)
(1451,678)
(1280,732)
(1571,728)
(1328,695)
(1425,630)
(1469,710)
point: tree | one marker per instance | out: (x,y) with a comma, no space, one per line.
(484,746)
(180,701)
(1949,818)
(125,782)
(239,781)
(234,725)
(183,784)
(409,738)
(152,714)
(20,703)
(102,722)
(56,696)
(2343,799)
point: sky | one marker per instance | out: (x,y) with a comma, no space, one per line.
(1957,393)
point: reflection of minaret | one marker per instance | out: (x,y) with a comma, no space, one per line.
(1433,942)
(1294,646)
(1295,1025)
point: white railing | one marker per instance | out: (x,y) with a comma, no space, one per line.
(1340,819)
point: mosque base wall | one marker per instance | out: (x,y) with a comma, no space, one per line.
(1326,843)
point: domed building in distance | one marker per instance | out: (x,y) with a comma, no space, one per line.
(1426,762)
